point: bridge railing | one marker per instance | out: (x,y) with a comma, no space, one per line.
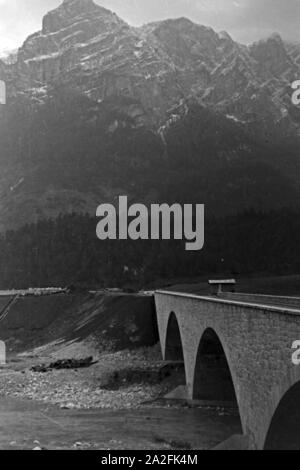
(288,305)
(280,301)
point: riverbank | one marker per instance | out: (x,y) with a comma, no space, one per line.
(26,425)
(117,400)
(116,403)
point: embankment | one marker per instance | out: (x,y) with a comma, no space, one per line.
(112,321)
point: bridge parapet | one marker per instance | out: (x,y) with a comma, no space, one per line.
(272,300)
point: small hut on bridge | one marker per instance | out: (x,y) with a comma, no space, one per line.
(222,285)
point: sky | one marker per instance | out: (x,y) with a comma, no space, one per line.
(245,20)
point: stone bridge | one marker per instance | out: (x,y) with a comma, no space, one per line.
(238,348)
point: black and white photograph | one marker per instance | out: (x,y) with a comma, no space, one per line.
(149,228)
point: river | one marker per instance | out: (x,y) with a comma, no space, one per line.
(27,424)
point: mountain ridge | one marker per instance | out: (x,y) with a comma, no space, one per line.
(170,111)
(160,64)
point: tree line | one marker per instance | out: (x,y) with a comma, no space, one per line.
(65,251)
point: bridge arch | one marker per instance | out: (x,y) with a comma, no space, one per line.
(174,347)
(284,430)
(213,379)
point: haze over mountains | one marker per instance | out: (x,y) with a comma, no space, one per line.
(171,111)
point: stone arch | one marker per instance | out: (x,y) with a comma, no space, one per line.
(288,381)
(284,429)
(174,346)
(213,379)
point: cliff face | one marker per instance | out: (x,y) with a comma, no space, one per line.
(88,47)
(157,66)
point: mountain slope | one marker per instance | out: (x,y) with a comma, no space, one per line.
(169,111)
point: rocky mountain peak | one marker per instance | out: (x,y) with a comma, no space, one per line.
(154,69)
(71,34)
(271,54)
(273,43)
(68,11)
